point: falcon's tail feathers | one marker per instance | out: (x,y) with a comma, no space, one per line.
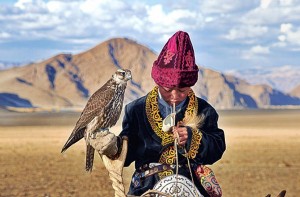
(90,151)
(73,139)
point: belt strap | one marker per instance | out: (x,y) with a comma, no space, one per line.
(154,170)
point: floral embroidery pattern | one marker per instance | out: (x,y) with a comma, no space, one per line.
(189,59)
(168,57)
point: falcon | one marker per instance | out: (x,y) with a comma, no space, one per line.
(101,112)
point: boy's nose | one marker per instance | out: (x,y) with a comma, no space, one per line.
(174,93)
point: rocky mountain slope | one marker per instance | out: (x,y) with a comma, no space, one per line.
(67,81)
(296,92)
(284,78)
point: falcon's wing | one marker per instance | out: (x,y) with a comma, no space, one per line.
(94,107)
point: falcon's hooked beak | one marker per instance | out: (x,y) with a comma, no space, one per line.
(127,74)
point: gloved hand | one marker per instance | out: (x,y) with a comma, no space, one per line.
(105,143)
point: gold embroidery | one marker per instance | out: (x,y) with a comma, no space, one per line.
(155,120)
(167,157)
(165,173)
(154,117)
(196,139)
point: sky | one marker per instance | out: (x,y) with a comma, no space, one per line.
(226,34)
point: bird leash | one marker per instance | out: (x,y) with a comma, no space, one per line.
(176,142)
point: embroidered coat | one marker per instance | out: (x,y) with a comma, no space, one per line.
(142,125)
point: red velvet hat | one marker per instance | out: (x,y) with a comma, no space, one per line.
(175,65)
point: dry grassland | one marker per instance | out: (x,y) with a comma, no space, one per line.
(262,156)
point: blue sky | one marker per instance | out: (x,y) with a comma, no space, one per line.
(226,34)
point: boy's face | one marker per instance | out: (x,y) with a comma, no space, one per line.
(174,95)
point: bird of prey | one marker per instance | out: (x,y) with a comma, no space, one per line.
(101,112)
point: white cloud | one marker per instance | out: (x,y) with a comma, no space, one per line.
(31,5)
(282,38)
(291,34)
(134,22)
(265,3)
(70,21)
(106,9)
(4,35)
(156,14)
(251,29)
(286,2)
(59,19)
(260,50)
(58,7)
(167,22)
(220,7)
(285,27)
(272,12)
(209,19)
(246,31)
(293,37)
(23,4)
(256,52)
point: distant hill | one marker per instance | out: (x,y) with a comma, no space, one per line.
(67,81)
(226,92)
(296,91)
(6,65)
(284,78)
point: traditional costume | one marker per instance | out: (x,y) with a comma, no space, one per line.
(149,147)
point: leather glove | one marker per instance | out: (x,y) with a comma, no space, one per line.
(105,143)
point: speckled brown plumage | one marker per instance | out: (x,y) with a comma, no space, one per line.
(102,111)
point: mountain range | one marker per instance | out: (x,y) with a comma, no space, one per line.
(66,81)
(6,65)
(284,78)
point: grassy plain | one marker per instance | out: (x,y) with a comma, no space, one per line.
(262,156)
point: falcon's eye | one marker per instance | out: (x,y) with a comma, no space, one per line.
(123,74)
